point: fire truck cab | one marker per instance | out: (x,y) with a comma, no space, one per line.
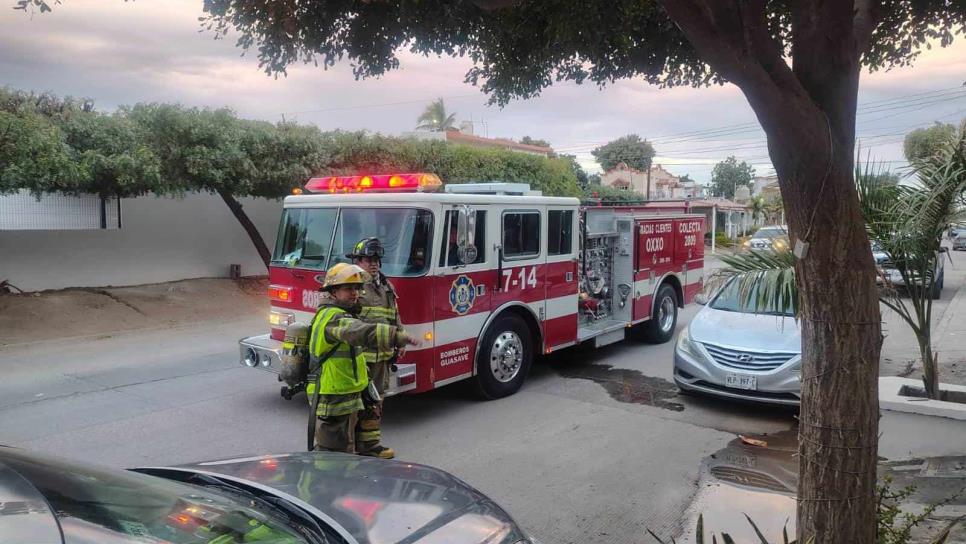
(488,275)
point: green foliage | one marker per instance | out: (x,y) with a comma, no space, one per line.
(924,142)
(519,48)
(531,141)
(893,526)
(48,144)
(436,118)
(357,152)
(611,195)
(721,239)
(726,538)
(728,175)
(630,150)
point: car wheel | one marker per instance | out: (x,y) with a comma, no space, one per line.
(664,318)
(504,357)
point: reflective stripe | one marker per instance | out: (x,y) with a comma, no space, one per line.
(368,436)
(339,408)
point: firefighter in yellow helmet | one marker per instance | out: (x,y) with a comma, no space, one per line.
(378,302)
(335,348)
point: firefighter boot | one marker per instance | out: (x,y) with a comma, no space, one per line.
(379,451)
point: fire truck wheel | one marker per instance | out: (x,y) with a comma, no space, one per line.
(660,328)
(504,357)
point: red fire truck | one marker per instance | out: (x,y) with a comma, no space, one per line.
(488,274)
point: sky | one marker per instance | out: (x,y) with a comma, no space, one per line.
(120,53)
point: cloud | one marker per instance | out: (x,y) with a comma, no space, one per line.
(128,52)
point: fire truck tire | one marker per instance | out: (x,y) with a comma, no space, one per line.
(503,358)
(664,319)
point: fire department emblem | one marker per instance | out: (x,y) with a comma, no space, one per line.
(462,295)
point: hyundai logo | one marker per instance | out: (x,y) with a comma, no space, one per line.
(745,358)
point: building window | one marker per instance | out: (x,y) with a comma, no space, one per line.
(521,234)
(24,211)
(560,232)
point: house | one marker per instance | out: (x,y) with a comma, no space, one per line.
(766,186)
(663,184)
(465,136)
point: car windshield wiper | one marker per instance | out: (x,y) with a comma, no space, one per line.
(293,514)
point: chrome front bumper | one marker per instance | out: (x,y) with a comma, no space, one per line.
(780,386)
(265,353)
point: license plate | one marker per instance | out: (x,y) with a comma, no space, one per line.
(741,381)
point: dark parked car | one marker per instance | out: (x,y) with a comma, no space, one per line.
(319,498)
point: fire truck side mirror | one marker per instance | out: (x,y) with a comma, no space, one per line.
(466,235)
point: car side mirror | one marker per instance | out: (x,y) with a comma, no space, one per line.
(701,299)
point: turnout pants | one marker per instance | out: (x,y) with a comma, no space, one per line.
(369,427)
(336,421)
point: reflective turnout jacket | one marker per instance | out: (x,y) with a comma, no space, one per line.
(378,301)
(334,330)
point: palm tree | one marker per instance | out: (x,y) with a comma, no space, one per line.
(906,221)
(758,209)
(435,118)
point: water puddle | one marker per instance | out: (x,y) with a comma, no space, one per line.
(757,475)
(743,478)
(625,385)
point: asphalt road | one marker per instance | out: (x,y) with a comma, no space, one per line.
(596,447)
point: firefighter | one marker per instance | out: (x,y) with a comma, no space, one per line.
(378,302)
(336,338)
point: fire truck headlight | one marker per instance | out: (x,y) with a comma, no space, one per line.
(251,357)
(265,359)
(281,319)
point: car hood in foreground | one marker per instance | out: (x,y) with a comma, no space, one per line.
(376,500)
(744,331)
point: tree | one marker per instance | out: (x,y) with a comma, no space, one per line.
(806,108)
(630,150)
(686,179)
(923,142)
(435,118)
(759,207)
(611,195)
(728,175)
(531,141)
(906,222)
(582,178)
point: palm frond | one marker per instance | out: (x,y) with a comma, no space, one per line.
(765,279)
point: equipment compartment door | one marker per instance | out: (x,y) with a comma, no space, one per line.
(655,258)
(689,254)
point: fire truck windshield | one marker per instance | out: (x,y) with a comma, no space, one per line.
(306,235)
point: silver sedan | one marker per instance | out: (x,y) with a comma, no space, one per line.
(730,350)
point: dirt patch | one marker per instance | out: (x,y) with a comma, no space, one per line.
(32,317)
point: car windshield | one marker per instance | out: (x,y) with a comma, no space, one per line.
(772,232)
(103,506)
(730,299)
(318,238)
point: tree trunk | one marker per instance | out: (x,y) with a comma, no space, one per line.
(808,114)
(238,211)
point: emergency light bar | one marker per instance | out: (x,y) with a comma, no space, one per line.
(386,183)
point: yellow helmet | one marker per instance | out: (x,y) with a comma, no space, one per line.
(344,274)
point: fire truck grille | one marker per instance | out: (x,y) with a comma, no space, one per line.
(747,360)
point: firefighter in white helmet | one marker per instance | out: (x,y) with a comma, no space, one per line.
(338,338)
(378,305)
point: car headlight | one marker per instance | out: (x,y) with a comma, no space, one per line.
(685,345)
(780,244)
(746,243)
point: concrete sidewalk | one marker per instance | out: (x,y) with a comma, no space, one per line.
(949,337)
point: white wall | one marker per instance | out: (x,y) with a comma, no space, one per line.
(160,239)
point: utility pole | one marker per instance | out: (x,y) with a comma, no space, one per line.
(647,196)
